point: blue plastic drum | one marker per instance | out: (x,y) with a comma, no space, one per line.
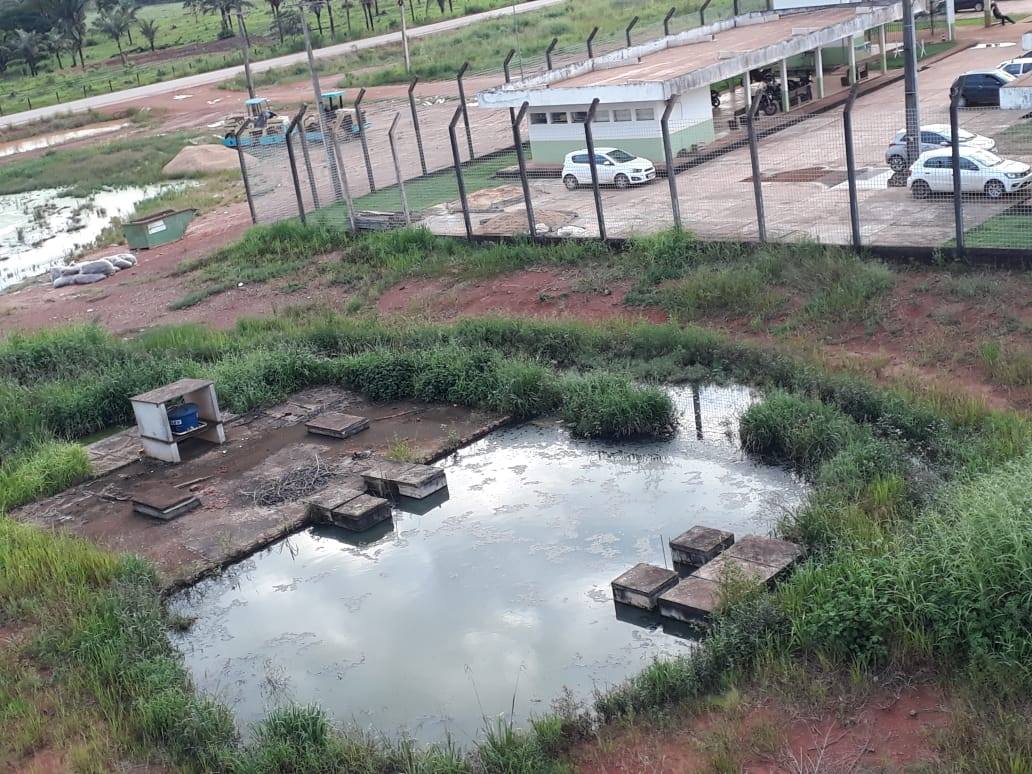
(183,419)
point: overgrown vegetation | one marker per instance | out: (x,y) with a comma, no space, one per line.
(918,523)
(81,171)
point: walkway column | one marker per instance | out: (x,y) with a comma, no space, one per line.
(818,66)
(884,50)
(785,98)
(852,59)
(747,88)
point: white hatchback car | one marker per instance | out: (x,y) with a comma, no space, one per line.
(615,167)
(932,136)
(980,171)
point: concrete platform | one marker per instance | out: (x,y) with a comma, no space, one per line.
(692,600)
(361,513)
(641,585)
(388,478)
(700,545)
(772,552)
(163,501)
(726,567)
(337,425)
(320,506)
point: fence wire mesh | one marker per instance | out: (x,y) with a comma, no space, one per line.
(799,144)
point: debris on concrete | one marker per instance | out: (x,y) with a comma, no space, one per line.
(293,485)
(88,272)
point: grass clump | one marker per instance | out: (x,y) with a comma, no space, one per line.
(45,469)
(604,406)
(1006,366)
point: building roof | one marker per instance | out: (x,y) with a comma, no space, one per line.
(671,65)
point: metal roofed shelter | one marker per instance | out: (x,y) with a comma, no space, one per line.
(633,84)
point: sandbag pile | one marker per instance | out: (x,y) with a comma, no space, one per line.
(88,272)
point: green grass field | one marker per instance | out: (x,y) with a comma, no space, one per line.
(179,28)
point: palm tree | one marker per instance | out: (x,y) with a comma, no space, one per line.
(130,9)
(149,30)
(70,16)
(28,47)
(57,41)
(275,6)
(114,23)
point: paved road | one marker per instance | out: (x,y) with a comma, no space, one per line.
(226,73)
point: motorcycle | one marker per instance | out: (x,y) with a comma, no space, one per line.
(770,99)
(714,98)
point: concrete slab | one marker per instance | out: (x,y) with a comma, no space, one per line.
(360,513)
(700,545)
(320,506)
(163,501)
(387,478)
(337,425)
(772,552)
(726,567)
(641,585)
(692,599)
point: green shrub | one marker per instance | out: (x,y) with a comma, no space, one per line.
(37,472)
(261,378)
(799,431)
(380,376)
(606,406)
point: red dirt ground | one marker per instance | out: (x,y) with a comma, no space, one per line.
(887,732)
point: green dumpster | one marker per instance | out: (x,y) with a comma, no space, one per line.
(158,229)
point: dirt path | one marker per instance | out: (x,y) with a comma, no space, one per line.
(886,731)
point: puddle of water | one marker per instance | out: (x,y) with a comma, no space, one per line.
(39,229)
(436,621)
(57,138)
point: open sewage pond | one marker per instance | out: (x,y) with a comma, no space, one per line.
(431,624)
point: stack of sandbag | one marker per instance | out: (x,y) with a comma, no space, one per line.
(88,272)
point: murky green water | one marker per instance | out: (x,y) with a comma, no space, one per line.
(435,622)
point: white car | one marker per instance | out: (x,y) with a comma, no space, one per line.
(615,167)
(1016,67)
(980,172)
(932,136)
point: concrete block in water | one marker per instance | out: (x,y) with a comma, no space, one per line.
(361,513)
(337,425)
(700,545)
(691,600)
(641,585)
(772,552)
(385,477)
(322,504)
(726,567)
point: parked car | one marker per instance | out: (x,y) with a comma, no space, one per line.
(615,167)
(1016,67)
(932,136)
(982,87)
(960,5)
(980,171)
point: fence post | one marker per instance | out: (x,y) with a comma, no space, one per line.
(958,201)
(462,106)
(671,172)
(630,27)
(458,172)
(505,65)
(847,128)
(308,163)
(415,123)
(243,169)
(702,13)
(342,172)
(589,140)
(362,139)
(591,38)
(517,119)
(735,6)
(548,53)
(754,160)
(293,164)
(397,166)
(666,21)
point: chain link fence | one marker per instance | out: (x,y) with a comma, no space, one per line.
(774,164)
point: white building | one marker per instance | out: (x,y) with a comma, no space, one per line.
(635,84)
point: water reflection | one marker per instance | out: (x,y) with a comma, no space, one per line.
(428,624)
